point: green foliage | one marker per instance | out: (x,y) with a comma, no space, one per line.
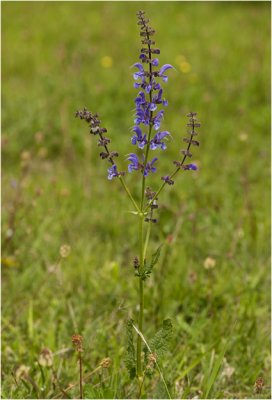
(130,359)
(147,268)
(159,344)
(214,371)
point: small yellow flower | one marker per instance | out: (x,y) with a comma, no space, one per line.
(209,263)
(65,250)
(106,62)
(185,67)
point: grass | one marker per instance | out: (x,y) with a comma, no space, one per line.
(55,192)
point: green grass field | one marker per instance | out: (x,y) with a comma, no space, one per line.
(59,57)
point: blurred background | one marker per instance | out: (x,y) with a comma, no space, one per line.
(67,237)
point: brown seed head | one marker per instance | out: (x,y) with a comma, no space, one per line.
(77,342)
(105,363)
(259,385)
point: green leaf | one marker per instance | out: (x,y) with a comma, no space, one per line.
(159,343)
(147,268)
(155,257)
(130,360)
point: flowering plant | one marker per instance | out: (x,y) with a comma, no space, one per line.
(148,137)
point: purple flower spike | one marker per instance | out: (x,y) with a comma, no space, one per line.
(112,172)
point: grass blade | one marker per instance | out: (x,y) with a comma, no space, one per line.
(215,371)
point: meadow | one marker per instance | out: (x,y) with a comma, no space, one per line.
(68,238)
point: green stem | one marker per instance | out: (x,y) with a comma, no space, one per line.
(129,194)
(147,238)
(141,302)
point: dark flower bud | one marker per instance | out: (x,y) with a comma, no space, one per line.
(148,41)
(153,220)
(193,142)
(104,155)
(194,125)
(95,130)
(136,262)
(103,141)
(113,154)
(155,51)
(193,133)
(186,153)
(167,180)
(149,194)
(191,114)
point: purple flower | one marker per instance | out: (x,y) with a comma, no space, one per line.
(157,120)
(150,167)
(138,138)
(142,116)
(192,167)
(141,73)
(112,172)
(162,71)
(157,140)
(140,99)
(135,165)
(155,62)
(158,99)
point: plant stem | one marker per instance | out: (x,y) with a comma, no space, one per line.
(141,301)
(80,375)
(129,194)
(147,238)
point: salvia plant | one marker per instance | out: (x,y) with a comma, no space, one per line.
(151,140)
